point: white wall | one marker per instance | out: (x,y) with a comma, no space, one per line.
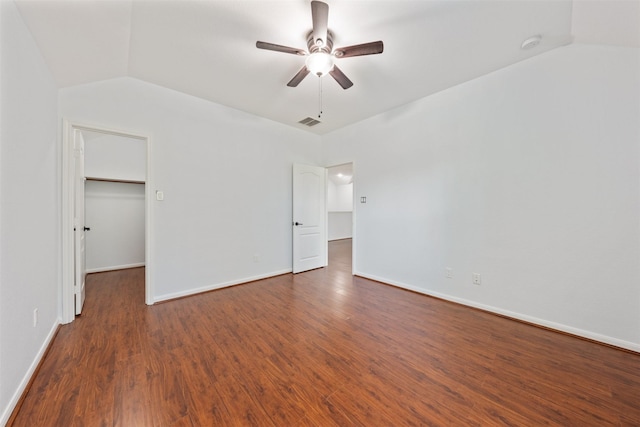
(29,207)
(340,225)
(115,213)
(528,176)
(114,157)
(339,197)
(340,207)
(226,178)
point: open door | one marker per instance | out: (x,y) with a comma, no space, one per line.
(73,228)
(309,218)
(78,222)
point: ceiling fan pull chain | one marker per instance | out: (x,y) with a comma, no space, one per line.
(319,97)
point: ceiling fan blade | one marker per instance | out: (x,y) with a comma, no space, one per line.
(295,81)
(320,17)
(279,48)
(359,50)
(340,77)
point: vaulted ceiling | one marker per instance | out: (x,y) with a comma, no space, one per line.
(207,48)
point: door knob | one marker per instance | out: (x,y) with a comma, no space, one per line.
(87,229)
(297,223)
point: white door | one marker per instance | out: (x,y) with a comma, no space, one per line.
(79,225)
(309,218)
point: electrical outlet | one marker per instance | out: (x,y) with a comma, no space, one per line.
(256,258)
(448,272)
(35,317)
(477,279)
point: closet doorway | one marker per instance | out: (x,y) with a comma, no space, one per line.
(340,213)
(106,183)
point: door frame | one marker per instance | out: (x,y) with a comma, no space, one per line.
(67,291)
(353,214)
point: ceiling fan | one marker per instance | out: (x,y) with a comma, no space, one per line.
(320,54)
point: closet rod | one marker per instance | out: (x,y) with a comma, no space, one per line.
(126,181)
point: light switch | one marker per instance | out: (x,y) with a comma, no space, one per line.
(363,199)
(159,195)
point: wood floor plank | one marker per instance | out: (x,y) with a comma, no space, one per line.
(321,348)
(362,409)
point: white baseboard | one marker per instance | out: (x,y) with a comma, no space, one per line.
(27,377)
(190,292)
(525,318)
(115,267)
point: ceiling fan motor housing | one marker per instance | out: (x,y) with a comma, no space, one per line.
(327,47)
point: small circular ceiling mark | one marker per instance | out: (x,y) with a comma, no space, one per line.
(531,42)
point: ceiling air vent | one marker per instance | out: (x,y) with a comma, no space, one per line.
(309,121)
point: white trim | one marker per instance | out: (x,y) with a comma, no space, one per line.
(326,217)
(148,212)
(67,286)
(354,181)
(67,308)
(530,319)
(27,376)
(115,267)
(341,238)
(196,291)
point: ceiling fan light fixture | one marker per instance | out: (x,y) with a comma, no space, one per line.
(319,63)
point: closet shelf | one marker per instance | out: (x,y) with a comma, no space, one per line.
(126,181)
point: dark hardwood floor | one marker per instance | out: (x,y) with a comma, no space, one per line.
(320,348)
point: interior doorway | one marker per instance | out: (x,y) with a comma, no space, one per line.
(115,193)
(341,212)
(115,169)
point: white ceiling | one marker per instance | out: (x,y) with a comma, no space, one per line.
(207,48)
